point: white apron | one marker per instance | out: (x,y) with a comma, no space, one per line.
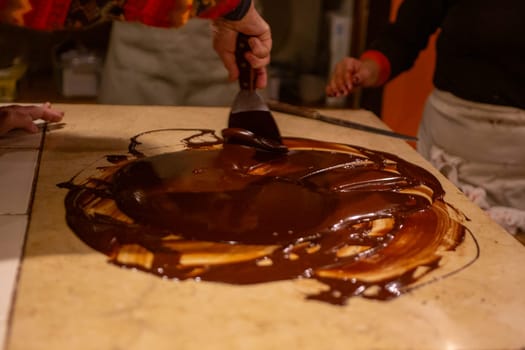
(157,66)
(481,149)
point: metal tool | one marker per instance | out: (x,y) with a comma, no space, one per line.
(249,110)
(313,114)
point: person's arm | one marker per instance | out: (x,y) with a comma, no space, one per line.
(22,117)
(403,40)
(393,51)
(250,23)
(370,70)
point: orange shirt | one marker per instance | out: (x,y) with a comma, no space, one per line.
(70,14)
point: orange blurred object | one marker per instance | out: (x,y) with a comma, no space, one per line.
(404,97)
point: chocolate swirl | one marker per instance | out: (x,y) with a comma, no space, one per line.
(361,222)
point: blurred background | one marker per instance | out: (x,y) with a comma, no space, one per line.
(128,63)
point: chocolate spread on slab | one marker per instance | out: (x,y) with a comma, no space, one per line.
(361,222)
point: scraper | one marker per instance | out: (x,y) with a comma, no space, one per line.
(249,111)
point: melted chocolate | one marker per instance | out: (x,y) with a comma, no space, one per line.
(236,214)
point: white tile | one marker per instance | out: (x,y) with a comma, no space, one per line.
(12,233)
(21,139)
(17,170)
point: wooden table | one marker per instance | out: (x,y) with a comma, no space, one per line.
(68,297)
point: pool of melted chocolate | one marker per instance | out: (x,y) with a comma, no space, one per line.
(359,221)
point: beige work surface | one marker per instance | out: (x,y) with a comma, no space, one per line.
(69,297)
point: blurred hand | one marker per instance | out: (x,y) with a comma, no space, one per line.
(225,36)
(22,117)
(351,73)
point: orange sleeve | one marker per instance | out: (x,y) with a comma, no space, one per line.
(73,14)
(382,61)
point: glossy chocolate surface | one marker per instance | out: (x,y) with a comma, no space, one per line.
(361,222)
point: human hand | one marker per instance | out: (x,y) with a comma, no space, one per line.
(225,36)
(22,117)
(351,73)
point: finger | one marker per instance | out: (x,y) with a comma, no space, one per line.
(332,89)
(361,77)
(340,80)
(329,91)
(37,112)
(260,47)
(343,79)
(224,44)
(350,81)
(349,73)
(19,120)
(229,62)
(49,114)
(231,66)
(261,78)
(28,125)
(257,62)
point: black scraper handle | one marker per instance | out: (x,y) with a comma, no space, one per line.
(246,73)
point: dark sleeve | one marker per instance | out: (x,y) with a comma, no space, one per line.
(402,40)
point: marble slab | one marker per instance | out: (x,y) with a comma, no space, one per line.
(19,153)
(69,297)
(21,139)
(12,234)
(16,179)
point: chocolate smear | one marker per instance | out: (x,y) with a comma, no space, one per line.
(360,222)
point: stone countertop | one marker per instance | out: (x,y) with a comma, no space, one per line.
(68,297)
(19,154)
